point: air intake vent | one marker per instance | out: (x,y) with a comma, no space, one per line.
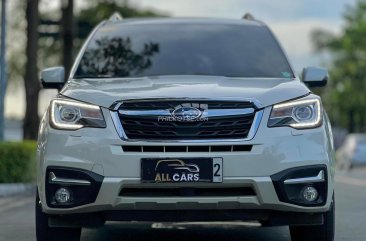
(187,192)
(216,148)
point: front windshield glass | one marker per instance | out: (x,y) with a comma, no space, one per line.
(231,50)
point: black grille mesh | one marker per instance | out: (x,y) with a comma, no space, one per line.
(149,128)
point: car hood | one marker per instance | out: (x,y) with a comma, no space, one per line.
(104,92)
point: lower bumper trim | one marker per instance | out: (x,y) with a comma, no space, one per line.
(266,217)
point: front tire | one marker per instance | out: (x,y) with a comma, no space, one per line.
(324,232)
(46,233)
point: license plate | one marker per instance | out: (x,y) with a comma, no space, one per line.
(180,170)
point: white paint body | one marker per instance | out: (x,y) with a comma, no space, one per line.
(100,149)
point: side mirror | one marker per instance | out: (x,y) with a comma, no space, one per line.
(53,78)
(315,76)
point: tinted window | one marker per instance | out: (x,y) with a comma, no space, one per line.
(232,50)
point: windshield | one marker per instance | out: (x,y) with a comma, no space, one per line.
(231,50)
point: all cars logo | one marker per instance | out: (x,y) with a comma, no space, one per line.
(176,171)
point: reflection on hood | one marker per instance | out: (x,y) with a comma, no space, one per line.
(104,92)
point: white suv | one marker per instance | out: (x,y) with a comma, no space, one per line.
(184,120)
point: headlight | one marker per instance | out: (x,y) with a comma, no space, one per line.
(299,114)
(72,115)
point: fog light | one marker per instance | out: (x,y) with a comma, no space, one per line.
(309,193)
(63,195)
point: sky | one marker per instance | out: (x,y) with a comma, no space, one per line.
(292,21)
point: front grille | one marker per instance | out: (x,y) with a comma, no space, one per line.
(187,192)
(149,127)
(171,104)
(163,148)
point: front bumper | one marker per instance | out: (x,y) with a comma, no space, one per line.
(110,198)
(265,217)
(100,151)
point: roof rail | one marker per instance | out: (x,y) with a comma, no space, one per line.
(115,17)
(248,16)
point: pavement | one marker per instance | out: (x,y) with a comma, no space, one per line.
(17,221)
(11,189)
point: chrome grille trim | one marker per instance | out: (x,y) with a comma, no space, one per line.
(116,105)
(253,130)
(212,113)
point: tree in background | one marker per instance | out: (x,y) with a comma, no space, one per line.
(31,82)
(46,48)
(99,10)
(68,29)
(345,96)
